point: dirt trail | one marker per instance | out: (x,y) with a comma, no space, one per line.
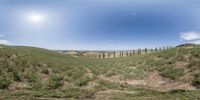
(116,79)
(159,83)
(154,81)
(88,72)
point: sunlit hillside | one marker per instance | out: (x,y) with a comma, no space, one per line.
(35,73)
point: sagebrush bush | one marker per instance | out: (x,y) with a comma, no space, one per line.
(196,81)
(171,72)
(82,81)
(16,76)
(32,77)
(55,81)
(5,81)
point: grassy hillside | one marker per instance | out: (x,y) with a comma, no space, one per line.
(35,73)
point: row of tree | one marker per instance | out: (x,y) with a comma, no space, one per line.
(117,54)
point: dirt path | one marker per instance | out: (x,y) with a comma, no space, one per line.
(116,79)
(159,83)
(154,81)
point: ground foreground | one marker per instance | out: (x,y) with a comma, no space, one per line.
(34,73)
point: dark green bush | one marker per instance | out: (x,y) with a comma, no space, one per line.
(171,72)
(55,81)
(5,81)
(197,80)
(107,85)
(194,63)
(82,81)
(32,77)
(45,71)
(16,76)
(195,53)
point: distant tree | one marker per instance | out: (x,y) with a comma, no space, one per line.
(103,54)
(108,54)
(160,49)
(133,52)
(163,48)
(139,51)
(114,54)
(145,50)
(156,49)
(82,54)
(126,53)
(130,53)
(99,55)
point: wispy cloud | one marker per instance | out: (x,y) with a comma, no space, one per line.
(6,42)
(191,37)
(195,42)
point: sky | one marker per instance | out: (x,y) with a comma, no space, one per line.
(99,24)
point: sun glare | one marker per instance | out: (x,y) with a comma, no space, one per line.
(36,18)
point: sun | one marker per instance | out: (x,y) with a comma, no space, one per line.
(35,17)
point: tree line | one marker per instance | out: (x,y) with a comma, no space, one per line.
(117,54)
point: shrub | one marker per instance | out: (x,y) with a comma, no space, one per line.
(32,77)
(55,81)
(171,72)
(45,71)
(4,81)
(83,81)
(193,63)
(195,53)
(16,76)
(197,80)
(107,85)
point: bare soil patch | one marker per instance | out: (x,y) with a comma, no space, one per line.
(155,82)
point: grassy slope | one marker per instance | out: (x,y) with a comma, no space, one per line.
(45,73)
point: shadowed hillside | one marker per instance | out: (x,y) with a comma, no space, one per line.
(35,73)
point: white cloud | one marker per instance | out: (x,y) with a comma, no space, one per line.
(195,42)
(6,42)
(190,36)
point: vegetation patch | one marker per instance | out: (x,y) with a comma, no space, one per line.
(48,74)
(171,72)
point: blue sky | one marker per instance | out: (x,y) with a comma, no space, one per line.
(99,24)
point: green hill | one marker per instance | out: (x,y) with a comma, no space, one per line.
(35,73)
